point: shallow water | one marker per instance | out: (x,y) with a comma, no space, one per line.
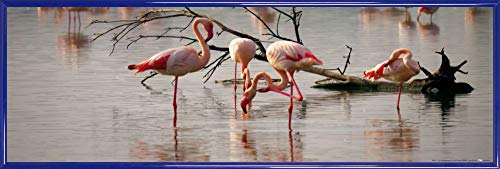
(68,100)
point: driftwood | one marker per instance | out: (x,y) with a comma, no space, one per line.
(441,82)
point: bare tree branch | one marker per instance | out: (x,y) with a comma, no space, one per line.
(124,28)
(271,32)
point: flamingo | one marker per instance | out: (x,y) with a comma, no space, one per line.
(76,10)
(180,61)
(242,50)
(395,69)
(286,58)
(427,10)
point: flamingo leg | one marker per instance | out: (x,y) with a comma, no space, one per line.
(79,22)
(298,97)
(294,84)
(69,22)
(245,74)
(175,102)
(74,23)
(399,94)
(235,68)
(290,108)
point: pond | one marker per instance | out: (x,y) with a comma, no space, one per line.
(69,100)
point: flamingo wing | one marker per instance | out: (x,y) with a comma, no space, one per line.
(183,61)
(157,61)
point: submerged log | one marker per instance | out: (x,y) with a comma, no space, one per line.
(441,82)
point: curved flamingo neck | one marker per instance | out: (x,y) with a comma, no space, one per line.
(205,50)
(269,81)
(395,55)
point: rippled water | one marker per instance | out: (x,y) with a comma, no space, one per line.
(68,100)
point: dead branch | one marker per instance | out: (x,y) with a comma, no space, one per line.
(271,32)
(152,73)
(295,18)
(124,27)
(347,62)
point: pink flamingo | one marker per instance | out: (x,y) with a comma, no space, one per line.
(427,10)
(76,10)
(395,69)
(180,61)
(286,58)
(242,50)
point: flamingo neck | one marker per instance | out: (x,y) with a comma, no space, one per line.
(398,52)
(205,50)
(412,65)
(269,81)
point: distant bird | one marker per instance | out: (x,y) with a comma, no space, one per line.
(180,61)
(242,50)
(427,10)
(76,10)
(286,58)
(395,69)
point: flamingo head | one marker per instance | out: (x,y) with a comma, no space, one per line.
(422,9)
(208,26)
(246,101)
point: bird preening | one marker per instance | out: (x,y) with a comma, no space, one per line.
(395,69)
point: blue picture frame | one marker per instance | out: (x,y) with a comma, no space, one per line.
(4,4)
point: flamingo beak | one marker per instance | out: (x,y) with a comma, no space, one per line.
(210,35)
(244,103)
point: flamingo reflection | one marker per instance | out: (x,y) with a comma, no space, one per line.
(472,14)
(428,29)
(369,16)
(70,46)
(244,146)
(397,139)
(169,151)
(264,13)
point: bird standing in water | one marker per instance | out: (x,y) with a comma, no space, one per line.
(395,69)
(286,58)
(427,10)
(242,50)
(180,61)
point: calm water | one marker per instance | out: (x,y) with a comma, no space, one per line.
(68,100)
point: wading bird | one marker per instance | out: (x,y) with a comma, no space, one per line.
(180,61)
(76,10)
(242,50)
(395,69)
(427,10)
(286,58)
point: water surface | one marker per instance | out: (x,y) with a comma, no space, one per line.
(68,100)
